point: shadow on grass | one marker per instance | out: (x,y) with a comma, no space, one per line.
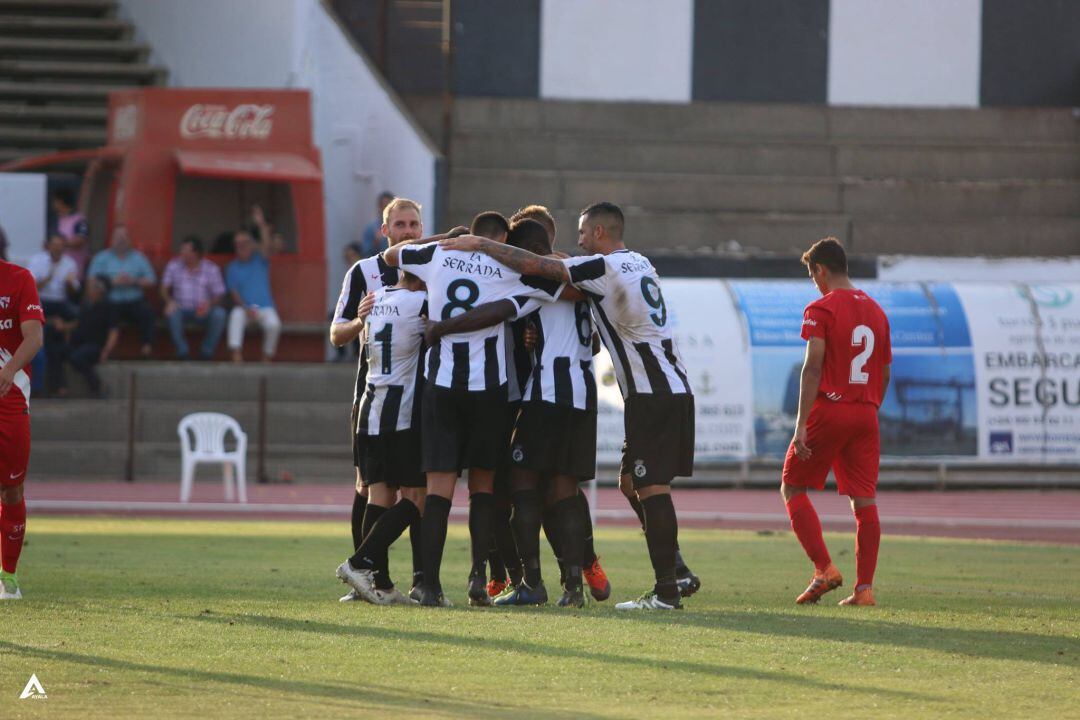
(603,657)
(991,644)
(365,695)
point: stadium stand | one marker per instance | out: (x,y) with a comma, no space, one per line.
(696,176)
(58,61)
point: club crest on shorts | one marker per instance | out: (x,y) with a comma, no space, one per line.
(639,468)
(518,453)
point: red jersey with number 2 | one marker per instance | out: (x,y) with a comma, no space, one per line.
(18,303)
(857,345)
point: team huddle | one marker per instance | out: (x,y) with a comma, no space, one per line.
(478,357)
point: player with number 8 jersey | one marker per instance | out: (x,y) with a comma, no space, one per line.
(844,378)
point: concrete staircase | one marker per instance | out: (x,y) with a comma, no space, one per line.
(307,412)
(771,178)
(58,61)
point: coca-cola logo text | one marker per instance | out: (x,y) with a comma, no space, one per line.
(219,122)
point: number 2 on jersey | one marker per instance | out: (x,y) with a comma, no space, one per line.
(386,338)
(861,335)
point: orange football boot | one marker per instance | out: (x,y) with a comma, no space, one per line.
(495,587)
(823,582)
(865,596)
(597,579)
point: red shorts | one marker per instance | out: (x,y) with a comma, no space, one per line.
(845,438)
(14,448)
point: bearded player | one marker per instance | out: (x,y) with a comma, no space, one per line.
(844,379)
(21,322)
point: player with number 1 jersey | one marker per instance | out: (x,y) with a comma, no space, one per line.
(844,379)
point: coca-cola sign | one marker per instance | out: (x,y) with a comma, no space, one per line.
(219,122)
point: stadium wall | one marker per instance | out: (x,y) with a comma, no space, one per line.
(22,210)
(368,142)
(961,53)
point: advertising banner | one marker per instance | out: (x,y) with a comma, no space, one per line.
(1026,341)
(22,214)
(714,346)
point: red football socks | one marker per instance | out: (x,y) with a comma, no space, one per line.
(12,530)
(867,539)
(807,527)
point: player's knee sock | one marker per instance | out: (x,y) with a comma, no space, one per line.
(371,516)
(373,553)
(550,523)
(867,539)
(636,505)
(571,527)
(504,541)
(495,562)
(436,517)
(416,539)
(807,527)
(661,530)
(359,505)
(481,514)
(527,519)
(12,530)
(589,556)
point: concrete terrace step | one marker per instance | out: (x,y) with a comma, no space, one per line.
(161,461)
(990,235)
(46,137)
(123,73)
(289,382)
(25,26)
(69,49)
(481,189)
(53,114)
(287,423)
(53,92)
(716,121)
(77,8)
(570,151)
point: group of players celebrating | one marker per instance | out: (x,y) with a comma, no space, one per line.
(478,357)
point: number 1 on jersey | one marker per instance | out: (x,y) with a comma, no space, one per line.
(386,338)
(861,335)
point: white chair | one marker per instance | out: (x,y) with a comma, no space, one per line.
(202,440)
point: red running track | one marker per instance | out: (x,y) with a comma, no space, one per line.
(1032,515)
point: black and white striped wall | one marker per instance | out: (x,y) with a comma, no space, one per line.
(962,53)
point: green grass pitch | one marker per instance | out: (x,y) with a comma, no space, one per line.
(167,618)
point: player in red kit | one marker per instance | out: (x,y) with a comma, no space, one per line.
(21,321)
(844,379)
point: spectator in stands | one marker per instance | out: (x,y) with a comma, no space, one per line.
(129,275)
(372,240)
(352,255)
(72,226)
(248,281)
(192,288)
(57,278)
(93,335)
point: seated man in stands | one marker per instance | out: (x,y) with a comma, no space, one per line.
(93,335)
(57,278)
(248,281)
(192,288)
(129,275)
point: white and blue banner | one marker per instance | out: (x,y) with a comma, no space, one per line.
(987,372)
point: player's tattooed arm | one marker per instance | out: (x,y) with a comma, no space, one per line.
(809,383)
(521,261)
(343,333)
(479,317)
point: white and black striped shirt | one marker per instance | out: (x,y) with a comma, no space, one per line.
(457,282)
(562,371)
(367,275)
(632,317)
(395,336)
